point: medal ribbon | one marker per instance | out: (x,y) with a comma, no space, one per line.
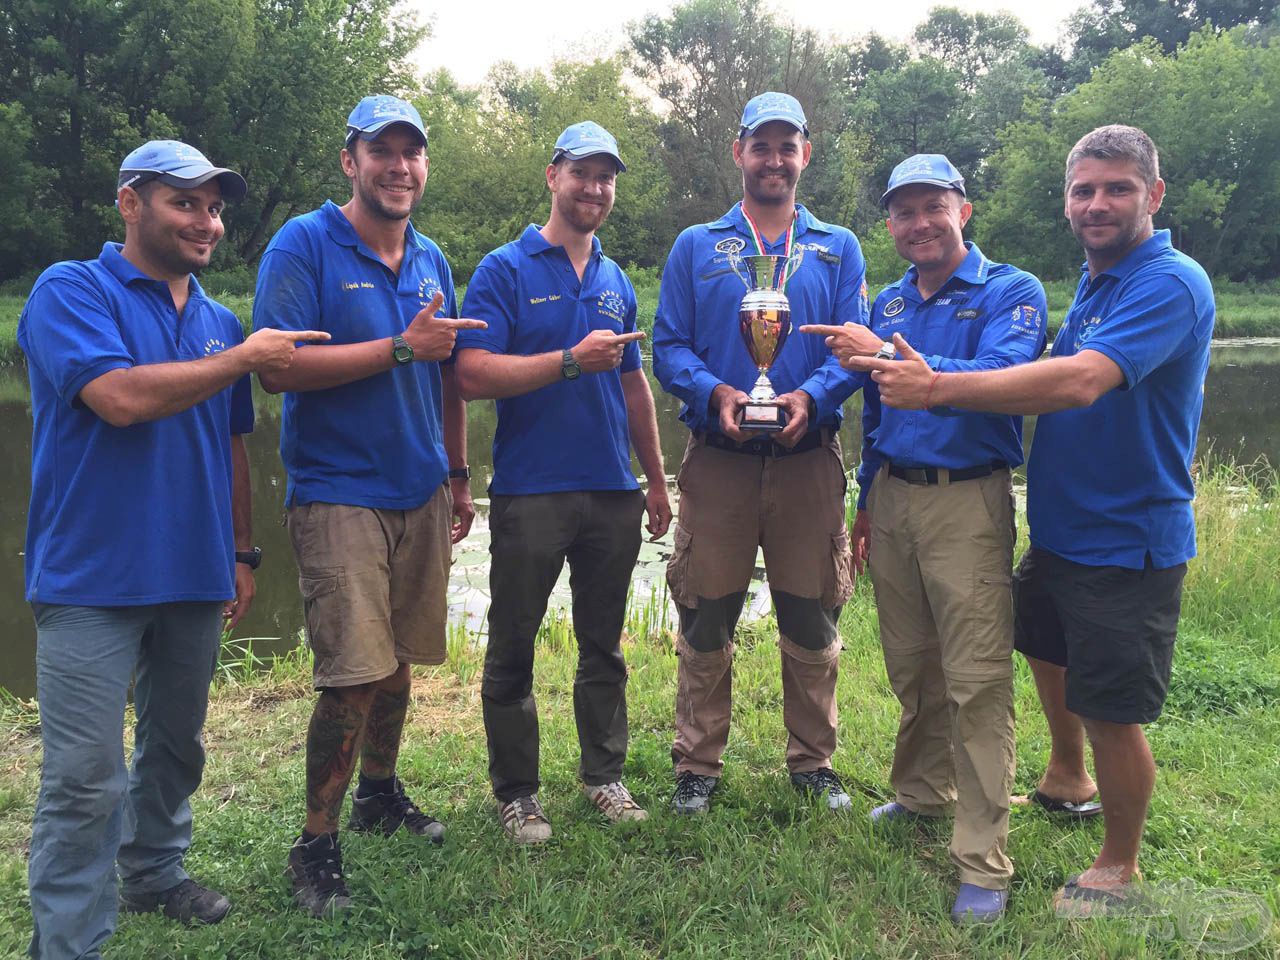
(786,250)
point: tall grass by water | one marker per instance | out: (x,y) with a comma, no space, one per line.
(764,875)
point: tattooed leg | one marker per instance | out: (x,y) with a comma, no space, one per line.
(333,739)
(386,722)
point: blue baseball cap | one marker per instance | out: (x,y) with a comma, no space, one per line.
(372,115)
(931,168)
(178,165)
(772,106)
(587,139)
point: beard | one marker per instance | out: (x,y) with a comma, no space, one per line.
(162,248)
(1125,237)
(374,204)
(584,220)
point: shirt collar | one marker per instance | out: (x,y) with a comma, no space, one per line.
(974,269)
(532,242)
(1153,246)
(127,273)
(342,232)
(735,219)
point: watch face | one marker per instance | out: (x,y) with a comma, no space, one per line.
(403,354)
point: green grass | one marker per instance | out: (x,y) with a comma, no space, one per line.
(763,875)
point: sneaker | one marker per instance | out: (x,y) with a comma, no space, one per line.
(976,904)
(188,902)
(316,871)
(693,793)
(615,802)
(891,812)
(823,784)
(385,813)
(524,820)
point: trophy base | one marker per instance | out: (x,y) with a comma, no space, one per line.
(763,417)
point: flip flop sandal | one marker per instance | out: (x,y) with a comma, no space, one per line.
(1068,808)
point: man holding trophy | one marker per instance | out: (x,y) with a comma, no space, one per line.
(761,469)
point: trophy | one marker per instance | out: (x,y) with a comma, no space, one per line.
(764,319)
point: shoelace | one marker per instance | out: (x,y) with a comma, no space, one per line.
(525,807)
(688,787)
(825,780)
(617,795)
(400,804)
(325,871)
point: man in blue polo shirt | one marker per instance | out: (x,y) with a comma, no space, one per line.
(937,503)
(560,357)
(1109,487)
(741,491)
(374,442)
(138,545)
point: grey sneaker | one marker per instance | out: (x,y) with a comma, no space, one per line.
(823,784)
(188,902)
(693,793)
(385,813)
(524,820)
(615,802)
(316,871)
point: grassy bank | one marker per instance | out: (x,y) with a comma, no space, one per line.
(763,875)
(1244,310)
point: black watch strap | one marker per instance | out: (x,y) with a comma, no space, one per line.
(250,557)
(460,473)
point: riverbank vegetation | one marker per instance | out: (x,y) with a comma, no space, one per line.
(763,875)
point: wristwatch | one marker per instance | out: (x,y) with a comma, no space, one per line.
(460,473)
(251,558)
(886,351)
(400,349)
(569,368)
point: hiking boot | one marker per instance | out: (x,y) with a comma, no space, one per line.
(316,871)
(385,813)
(615,802)
(823,784)
(693,793)
(524,820)
(188,902)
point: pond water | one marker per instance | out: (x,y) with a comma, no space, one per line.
(1241,420)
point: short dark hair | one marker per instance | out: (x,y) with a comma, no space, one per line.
(1117,142)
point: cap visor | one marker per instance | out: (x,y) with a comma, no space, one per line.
(374,131)
(622,167)
(884,199)
(761,121)
(230,183)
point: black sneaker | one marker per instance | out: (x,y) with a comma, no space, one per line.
(188,902)
(693,793)
(316,871)
(385,813)
(823,784)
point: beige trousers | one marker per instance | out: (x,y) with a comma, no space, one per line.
(941,562)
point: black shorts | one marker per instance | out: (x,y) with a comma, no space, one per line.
(1113,628)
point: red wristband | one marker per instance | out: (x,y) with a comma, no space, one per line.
(928,393)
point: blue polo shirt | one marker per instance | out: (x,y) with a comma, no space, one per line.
(126,516)
(696,343)
(572,434)
(1111,483)
(985,316)
(376,442)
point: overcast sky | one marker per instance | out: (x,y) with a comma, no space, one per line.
(468,37)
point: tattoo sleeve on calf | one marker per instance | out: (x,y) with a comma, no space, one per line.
(382,733)
(333,738)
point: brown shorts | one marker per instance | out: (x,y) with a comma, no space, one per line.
(373,586)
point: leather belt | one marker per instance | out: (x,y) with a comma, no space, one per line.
(928,476)
(767,446)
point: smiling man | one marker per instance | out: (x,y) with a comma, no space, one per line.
(742,491)
(138,545)
(935,524)
(560,356)
(374,443)
(1109,487)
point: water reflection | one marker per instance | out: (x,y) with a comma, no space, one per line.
(1242,414)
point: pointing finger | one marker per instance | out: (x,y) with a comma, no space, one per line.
(629,337)
(309,336)
(821,329)
(465,324)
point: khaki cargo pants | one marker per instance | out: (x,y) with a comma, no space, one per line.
(941,564)
(793,507)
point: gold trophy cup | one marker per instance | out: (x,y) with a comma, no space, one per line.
(764,320)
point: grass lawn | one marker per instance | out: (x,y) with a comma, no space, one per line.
(764,874)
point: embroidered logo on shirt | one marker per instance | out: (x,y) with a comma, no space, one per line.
(894,307)
(611,304)
(1087,329)
(428,287)
(968,314)
(213,345)
(731,245)
(357,285)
